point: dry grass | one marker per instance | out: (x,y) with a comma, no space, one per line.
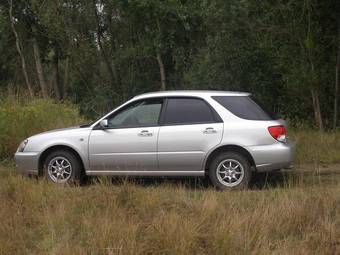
(286,214)
(315,147)
(298,214)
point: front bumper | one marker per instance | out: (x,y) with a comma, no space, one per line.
(27,162)
(272,157)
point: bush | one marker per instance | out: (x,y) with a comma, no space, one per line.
(20,119)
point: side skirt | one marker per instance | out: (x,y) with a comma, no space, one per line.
(146,173)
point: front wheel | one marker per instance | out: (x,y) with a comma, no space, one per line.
(62,167)
(230,170)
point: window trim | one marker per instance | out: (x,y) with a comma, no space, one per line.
(216,116)
(98,127)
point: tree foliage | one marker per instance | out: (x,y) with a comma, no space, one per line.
(99,53)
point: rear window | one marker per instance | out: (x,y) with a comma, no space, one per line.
(244,107)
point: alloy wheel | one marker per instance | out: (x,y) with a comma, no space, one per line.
(59,169)
(230,172)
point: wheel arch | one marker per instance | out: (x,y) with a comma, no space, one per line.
(233,148)
(53,148)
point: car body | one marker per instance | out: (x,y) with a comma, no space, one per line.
(171,133)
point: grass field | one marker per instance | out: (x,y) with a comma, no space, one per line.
(295,212)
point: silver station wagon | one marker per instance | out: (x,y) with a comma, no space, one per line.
(224,135)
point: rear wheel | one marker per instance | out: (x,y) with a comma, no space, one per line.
(230,170)
(62,167)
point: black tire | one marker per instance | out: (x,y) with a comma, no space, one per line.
(235,158)
(72,174)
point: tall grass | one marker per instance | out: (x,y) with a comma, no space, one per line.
(20,119)
(40,218)
(298,216)
(314,147)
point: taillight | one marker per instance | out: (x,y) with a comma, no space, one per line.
(278,133)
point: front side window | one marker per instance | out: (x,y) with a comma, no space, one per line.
(139,114)
(187,111)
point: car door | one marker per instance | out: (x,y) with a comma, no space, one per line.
(190,128)
(129,143)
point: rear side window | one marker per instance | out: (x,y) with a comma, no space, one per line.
(187,111)
(244,107)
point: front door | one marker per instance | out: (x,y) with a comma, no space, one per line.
(129,143)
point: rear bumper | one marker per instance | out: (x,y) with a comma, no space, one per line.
(27,162)
(272,157)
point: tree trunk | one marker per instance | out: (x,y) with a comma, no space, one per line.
(19,50)
(161,71)
(55,76)
(316,108)
(114,47)
(40,71)
(336,89)
(65,77)
(101,48)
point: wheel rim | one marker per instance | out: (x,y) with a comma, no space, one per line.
(230,172)
(59,169)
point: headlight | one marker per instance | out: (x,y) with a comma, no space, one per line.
(22,145)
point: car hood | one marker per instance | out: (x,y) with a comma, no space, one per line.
(72,136)
(58,130)
(61,131)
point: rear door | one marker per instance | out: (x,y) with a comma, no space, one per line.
(189,129)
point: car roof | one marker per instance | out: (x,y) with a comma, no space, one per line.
(199,93)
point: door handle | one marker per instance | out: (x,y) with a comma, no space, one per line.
(209,130)
(145,133)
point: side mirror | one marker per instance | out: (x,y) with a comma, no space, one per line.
(103,124)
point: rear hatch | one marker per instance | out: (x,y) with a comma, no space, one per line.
(247,108)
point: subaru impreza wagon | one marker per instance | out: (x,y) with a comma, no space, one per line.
(225,136)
